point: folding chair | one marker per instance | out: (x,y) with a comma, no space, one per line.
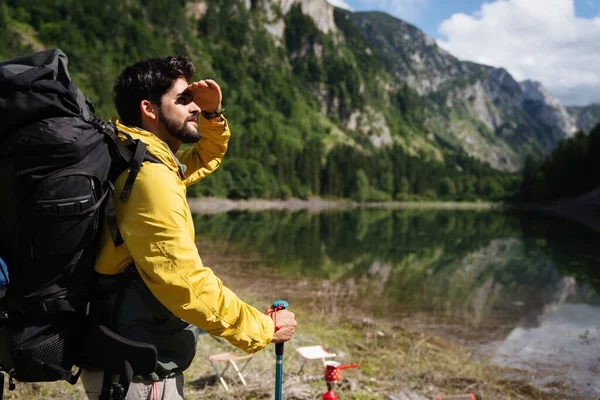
(312,353)
(229,359)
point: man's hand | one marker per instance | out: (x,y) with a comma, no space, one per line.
(286,322)
(207,94)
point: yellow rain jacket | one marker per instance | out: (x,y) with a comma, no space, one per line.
(158,232)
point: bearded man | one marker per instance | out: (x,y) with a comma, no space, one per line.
(169,291)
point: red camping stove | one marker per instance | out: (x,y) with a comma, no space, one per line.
(333,370)
(333,374)
(330,395)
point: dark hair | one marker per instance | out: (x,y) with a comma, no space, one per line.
(148,80)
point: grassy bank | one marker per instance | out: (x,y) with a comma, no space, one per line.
(394,360)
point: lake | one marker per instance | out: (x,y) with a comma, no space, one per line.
(522,289)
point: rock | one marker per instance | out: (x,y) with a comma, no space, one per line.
(353,384)
(311,378)
(405,395)
(586,118)
(548,110)
(320,11)
(349,384)
(299,392)
(360,346)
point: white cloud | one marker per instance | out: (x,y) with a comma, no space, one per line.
(340,4)
(405,9)
(532,39)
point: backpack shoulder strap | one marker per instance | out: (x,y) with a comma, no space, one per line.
(134,156)
(135,164)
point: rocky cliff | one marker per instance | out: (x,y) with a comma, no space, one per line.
(586,118)
(481,109)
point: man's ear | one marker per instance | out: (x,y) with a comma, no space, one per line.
(149,110)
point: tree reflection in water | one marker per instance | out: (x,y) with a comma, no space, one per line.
(482,276)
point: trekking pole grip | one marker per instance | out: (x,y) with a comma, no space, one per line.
(279,305)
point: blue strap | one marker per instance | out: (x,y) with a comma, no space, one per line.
(4,279)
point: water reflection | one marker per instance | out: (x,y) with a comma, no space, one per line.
(518,282)
(567,340)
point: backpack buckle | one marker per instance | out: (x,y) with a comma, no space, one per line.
(118,391)
(51,306)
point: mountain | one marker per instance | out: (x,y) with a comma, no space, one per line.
(541,105)
(479,108)
(321,101)
(587,117)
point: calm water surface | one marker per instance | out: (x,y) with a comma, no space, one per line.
(524,289)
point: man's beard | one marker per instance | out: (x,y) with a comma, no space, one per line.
(182,131)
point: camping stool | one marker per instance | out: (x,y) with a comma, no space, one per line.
(312,353)
(229,359)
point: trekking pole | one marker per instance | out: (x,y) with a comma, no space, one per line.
(279,305)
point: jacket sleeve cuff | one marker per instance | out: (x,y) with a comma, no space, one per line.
(221,122)
(268,328)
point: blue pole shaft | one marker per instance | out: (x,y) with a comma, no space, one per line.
(279,371)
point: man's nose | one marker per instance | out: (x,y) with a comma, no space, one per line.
(194,109)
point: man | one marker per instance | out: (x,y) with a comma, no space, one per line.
(171,290)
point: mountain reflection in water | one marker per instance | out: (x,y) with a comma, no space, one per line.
(522,287)
(567,340)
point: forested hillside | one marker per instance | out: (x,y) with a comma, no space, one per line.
(312,113)
(573,169)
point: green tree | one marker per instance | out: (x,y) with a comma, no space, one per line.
(529,174)
(362,186)
(539,189)
(403,189)
(387,182)
(447,187)
(4,16)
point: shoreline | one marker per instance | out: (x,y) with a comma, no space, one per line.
(214,205)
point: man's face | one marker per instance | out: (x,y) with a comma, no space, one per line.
(179,114)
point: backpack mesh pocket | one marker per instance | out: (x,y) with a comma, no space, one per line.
(43,354)
(51,351)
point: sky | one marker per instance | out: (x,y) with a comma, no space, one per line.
(556,42)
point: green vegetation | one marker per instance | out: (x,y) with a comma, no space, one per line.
(287,101)
(573,169)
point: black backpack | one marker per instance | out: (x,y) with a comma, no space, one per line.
(57,165)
